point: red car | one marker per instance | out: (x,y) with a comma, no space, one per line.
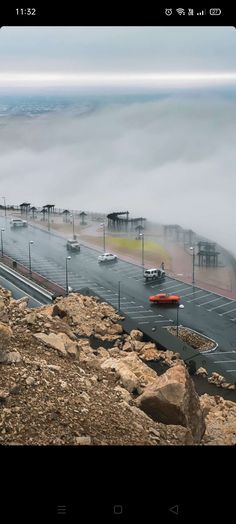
(164,298)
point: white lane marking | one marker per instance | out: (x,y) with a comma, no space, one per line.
(226,312)
(158,321)
(222,352)
(145,311)
(180,289)
(221,305)
(197,298)
(125,301)
(133,307)
(223,361)
(193,293)
(174,286)
(151,316)
(130,312)
(208,302)
(105,295)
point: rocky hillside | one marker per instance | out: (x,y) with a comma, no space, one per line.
(70,375)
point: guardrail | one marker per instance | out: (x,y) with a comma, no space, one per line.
(25,284)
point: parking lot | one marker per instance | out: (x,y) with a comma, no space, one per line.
(207,312)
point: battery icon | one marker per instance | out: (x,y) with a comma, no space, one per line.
(215,12)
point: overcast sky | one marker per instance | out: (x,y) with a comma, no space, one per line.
(67,55)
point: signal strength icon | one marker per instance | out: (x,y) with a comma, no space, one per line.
(201,13)
(180,11)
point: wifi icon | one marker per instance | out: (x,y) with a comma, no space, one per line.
(180,11)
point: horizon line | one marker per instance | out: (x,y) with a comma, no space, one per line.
(173,79)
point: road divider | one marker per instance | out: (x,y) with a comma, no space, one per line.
(26,285)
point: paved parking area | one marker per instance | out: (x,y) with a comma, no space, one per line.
(48,257)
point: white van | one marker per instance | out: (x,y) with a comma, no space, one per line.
(154,274)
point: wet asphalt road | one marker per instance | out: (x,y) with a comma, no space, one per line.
(204,311)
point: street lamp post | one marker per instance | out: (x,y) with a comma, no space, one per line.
(48,219)
(67,287)
(104,237)
(73,225)
(193,255)
(4,200)
(179,306)
(30,266)
(142,237)
(2,241)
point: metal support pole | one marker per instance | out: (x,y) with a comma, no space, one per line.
(193,281)
(104,238)
(142,237)
(4,200)
(143,250)
(66,278)
(2,241)
(30,265)
(67,286)
(177,322)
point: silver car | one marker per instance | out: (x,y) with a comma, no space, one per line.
(107,257)
(18,222)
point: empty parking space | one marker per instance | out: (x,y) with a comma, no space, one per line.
(227,359)
(198,298)
(224,303)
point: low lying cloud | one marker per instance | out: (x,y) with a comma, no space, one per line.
(171,160)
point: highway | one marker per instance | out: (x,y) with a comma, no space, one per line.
(204,311)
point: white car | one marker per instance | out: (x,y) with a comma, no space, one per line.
(18,222)
(107,257)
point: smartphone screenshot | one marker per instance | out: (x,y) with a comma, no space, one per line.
(117,262)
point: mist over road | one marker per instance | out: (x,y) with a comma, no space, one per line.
(171,159)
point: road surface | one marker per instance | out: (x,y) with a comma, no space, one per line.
(206,312)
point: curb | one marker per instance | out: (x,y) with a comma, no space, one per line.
(198,333)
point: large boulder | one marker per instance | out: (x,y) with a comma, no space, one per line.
(127,377)
(5,341)
(20,303)
(135,334)
(2,303)
(220,418)
(5,335)
(59,341)
(172,399)
(133,373)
